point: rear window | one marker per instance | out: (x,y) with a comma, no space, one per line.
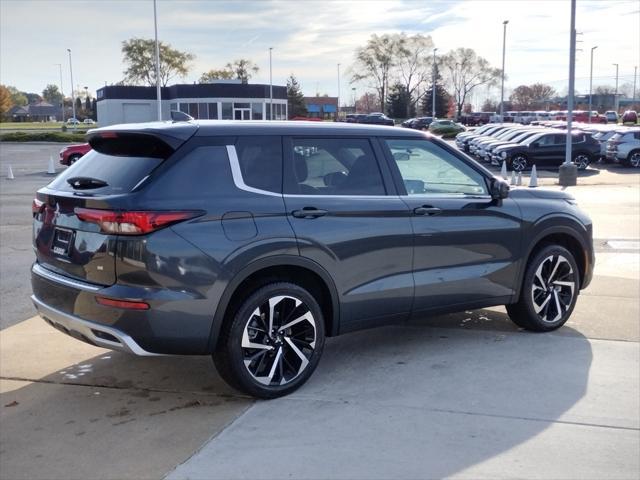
(121,173)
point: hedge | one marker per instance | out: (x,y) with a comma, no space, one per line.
(42,137)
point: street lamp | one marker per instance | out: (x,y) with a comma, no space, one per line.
(433,86)
(635,74)
(504,44)
(61,90)
(338,92)
(615,95)
(73,100)
(270,85)
(158,92)
(568,172)
(353,89)
(591,81)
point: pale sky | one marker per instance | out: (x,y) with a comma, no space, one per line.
(309,37)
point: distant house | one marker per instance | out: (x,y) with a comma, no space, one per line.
(322,107)
(35,112)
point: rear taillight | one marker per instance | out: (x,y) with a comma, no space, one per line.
(132,223)
(37,206)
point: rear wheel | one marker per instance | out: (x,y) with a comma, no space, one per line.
(581,160)
(633,159)
(273,342)
(74,158)
(549,290)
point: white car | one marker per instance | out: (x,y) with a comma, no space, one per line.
(88,121)
(624,147)
(611,116)
(73,121)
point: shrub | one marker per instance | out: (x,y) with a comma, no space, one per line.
(61,137)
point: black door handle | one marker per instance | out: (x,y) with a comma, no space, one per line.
(309,212)
(427,210)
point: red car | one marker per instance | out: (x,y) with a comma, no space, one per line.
(71,153)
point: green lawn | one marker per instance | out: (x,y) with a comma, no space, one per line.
(42,126)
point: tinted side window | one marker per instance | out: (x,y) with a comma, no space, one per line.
(261,162)
(333,166)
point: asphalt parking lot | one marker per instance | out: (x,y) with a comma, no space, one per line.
(466,395)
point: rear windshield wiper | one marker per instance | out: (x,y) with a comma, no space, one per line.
(85,183)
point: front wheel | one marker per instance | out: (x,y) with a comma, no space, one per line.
(549,290)
(633,160)
(519,163)
(273,342)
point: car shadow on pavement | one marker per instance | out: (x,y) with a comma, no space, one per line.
(408,401)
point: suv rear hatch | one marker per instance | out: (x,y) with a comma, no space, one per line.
(68,237)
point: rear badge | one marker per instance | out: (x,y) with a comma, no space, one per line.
(62,240)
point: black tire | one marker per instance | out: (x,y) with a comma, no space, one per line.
(74,158)
(519,162)
(280,358)
(633,159)
(582,160)
(537,304)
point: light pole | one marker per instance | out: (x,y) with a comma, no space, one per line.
(270,85)
(433,86)
(568,172)
(158,91)
(338,118)
(591,81)
(353,89)
(615,95)
(61,90)
(504,44)
(635,74)
(73,100)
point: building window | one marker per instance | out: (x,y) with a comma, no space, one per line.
(173,106)
(227,111)
(203,111)
(241,105)
(268,114)
(256,111)
(184,108)
(213,111)
(193,110)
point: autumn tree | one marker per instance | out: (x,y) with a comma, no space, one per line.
(528,97)
(243,69)
(17,97)
(367,103)
(6,102)
(466,71)
(211,75)
(374,63)
(295,98)
(140,58)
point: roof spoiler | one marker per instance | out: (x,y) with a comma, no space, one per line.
(143,139)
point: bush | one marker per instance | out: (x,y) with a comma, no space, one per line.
(62,137)
(446,132)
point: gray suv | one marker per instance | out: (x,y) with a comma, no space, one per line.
(254,241)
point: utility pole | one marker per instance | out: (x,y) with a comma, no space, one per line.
(635,73)
(433,87)
(615,95)
(73,100)
(158,91)
(591,81)
(61,90)
(504,44)
(338,92)
(270,85)
(568,172)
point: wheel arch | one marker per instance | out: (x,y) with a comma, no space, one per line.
(299,270)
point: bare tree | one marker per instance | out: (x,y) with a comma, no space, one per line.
(414,65)
(243,69)
(374,63)
(466,71)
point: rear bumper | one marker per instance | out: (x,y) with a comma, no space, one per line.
(89,332)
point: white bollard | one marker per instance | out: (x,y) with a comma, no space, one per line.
(533,181)
(513,177)
(10,174)
(51,169)
(519,179)
(503,170)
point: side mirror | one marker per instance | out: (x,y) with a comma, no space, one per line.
(499,189)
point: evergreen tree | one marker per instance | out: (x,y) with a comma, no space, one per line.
(87,105)
(399,102)
(94,109)
(78,106)
(295,98)
(442,100)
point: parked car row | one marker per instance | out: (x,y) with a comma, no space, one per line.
(376,118)
(418,123)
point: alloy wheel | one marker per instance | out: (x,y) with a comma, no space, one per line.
(278,340)
(581,161)
(634,160)
(519,163)
(553,288)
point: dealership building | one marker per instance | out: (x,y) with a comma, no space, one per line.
(220,100)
